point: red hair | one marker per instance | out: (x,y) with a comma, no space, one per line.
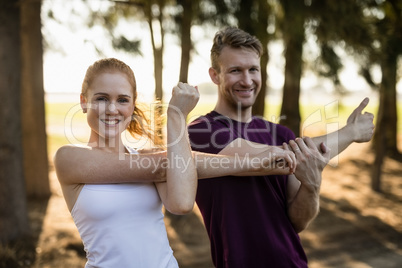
(140,124)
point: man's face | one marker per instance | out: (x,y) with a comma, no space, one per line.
(239,79)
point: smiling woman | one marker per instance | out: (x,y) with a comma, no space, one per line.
(109,104)
(117,220)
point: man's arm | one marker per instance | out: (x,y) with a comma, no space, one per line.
(359,128)
(303,188)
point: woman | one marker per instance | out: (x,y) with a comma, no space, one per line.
(114,200)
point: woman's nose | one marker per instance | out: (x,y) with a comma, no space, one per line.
(112,108)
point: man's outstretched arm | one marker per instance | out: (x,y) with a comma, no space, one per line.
(359,128)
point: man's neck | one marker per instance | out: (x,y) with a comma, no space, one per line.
(239,114)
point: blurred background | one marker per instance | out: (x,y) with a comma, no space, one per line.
(321,58)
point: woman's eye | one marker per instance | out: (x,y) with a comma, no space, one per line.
(101,99)
(123,100)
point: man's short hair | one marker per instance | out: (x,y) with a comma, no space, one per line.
(235,38)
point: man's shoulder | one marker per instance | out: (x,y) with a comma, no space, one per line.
(200,121)
(279,132)
(209,119)
(261,121)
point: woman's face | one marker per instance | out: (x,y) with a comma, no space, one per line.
(110,104)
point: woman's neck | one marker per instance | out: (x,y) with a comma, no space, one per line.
(108,145)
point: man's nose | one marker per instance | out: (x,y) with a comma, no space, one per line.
(246,79)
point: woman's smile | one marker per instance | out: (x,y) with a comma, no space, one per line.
(111,122)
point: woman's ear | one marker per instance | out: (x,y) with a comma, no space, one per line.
(84,103)
(214,75)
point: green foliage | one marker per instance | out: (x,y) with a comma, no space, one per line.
(127,45)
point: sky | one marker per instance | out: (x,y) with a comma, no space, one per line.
(72,50)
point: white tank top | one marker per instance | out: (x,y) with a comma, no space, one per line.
(121,225)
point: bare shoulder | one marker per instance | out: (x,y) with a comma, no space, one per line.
(71,148)
(67,151)
(65,159)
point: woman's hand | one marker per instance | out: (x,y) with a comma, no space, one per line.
(184,98)
(275,160)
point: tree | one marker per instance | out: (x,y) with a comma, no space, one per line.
(13,211)
(389,35)
(32,102)
(150,11)
(373,34)
(293,38)
(184,21)
(253,18)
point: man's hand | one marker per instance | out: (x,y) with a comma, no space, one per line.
(361,124)
(310,161)
(304,186)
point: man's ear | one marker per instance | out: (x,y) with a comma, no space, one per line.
(214,75)
(84,103)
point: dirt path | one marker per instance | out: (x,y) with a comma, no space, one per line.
(355,228)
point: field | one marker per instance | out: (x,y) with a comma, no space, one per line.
(356,227)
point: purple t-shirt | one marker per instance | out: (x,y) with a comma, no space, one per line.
(245,217)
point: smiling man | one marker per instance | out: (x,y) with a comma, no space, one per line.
(254,221)
(237,72)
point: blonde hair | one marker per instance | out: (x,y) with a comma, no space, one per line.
(235,38)
(139,124)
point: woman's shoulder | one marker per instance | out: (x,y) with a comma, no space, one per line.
(66,156)
(69,150)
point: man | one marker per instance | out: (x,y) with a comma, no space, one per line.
(255,221)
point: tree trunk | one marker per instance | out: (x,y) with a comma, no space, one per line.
(386,119)
(252,17)
(389,109)
(34,139)
(13,210)
(380,153)
(263,12)
(158,61)
(293,39)
(186,46)
(158,64)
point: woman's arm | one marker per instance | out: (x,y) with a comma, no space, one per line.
(179,190)
(248,159)
(86,165)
